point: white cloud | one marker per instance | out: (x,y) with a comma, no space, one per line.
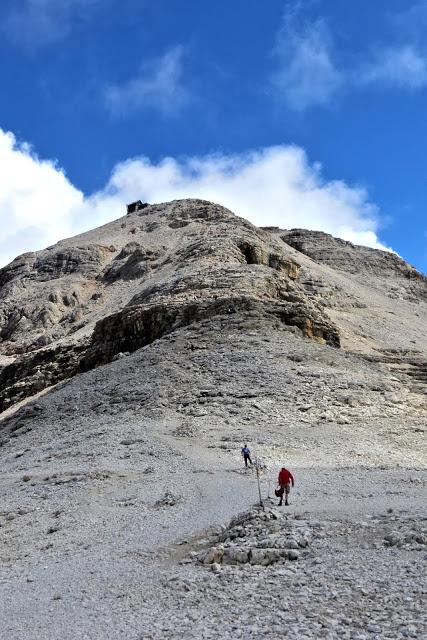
(273,186)
(159,85)
(305,73)
(402,67)
(35,23)
(36,200)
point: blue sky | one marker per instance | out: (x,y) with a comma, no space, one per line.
(308,113)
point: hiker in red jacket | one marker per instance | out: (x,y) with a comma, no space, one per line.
(285,480)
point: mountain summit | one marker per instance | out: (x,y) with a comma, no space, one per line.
(115,289)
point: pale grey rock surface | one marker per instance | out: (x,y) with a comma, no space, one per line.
(172,337)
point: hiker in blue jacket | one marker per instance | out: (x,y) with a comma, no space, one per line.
(246,453)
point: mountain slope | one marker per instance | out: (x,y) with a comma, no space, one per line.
(152,363)
(114,289)
(153,271)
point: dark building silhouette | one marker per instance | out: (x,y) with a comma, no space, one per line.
(136,206)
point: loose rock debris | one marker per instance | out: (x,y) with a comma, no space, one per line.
(263,536)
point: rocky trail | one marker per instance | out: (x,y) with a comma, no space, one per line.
(337,563)
(298,579)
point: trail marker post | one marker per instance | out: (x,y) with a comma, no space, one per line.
(259,484)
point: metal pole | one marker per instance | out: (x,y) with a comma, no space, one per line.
(259,484)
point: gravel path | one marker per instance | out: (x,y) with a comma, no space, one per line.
(112,569)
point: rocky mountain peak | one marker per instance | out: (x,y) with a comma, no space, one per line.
(77,304)
(143,275)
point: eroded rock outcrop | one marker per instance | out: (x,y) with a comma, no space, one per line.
(341,255)
(78,304)
(115,289)
(38,370)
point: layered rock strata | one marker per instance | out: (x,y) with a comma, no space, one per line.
(78,304)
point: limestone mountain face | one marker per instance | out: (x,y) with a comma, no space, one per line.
(83,301)
(178,253)
(117,288)
(399,278)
